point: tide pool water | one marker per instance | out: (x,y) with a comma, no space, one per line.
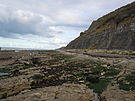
(4,74)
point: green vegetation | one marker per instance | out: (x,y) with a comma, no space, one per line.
(112,72)
(9,69)
(98,77)
(99,86)
(98,70)
(83,63)
(128,82)
(4,70)
(102,77)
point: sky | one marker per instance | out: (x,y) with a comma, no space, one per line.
(49,24)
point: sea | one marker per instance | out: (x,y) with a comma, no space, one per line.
(14,48)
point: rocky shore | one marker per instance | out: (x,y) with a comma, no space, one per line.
(65,76)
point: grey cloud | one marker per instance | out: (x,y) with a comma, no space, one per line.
(22,23)
(37,17)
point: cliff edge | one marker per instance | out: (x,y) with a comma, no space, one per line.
(115,30)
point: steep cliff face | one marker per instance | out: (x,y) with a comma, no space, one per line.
(115,30)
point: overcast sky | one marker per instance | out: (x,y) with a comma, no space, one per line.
(49,24)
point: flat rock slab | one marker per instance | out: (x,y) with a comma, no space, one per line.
(65,92)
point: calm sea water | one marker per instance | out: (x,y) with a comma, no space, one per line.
(12,48)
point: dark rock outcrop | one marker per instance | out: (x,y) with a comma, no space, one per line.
(115,30)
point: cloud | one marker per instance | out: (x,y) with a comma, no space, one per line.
(20,22)
(49,23)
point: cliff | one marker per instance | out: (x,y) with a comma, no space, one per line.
(115,30)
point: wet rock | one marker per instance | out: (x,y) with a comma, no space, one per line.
(36,80)
(15,72)
(36,60)
(92,78)
(3,96)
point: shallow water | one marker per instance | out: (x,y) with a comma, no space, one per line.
(4,74)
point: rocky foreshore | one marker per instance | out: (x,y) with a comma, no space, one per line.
(66,76)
